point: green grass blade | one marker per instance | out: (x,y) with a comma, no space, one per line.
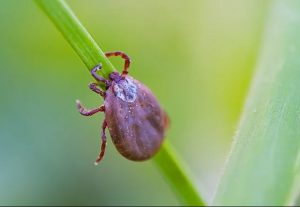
(78,37)
(264,165)
(91,54)
(174,170)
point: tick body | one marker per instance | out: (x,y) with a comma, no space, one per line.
(135,120)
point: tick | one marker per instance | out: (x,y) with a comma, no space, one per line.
(135,120)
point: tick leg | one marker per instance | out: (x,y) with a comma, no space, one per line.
(125,57)
(86,112)
(103,145)
(96,76)
(93,87)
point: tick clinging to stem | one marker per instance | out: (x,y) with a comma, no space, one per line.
(135,120)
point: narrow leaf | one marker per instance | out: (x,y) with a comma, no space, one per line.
(264,165)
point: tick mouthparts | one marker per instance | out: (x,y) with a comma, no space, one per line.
(96,163)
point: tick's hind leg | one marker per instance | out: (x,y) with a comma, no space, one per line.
(86,112)
(124,56)
(103,145)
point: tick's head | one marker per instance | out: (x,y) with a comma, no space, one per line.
(115,76)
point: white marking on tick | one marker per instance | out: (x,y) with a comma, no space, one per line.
(126,90)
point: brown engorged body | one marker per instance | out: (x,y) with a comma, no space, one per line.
(137,128)
(136,122)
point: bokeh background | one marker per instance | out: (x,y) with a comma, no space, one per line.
(198,58)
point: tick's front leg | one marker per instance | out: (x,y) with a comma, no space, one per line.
(86,112)
(125,57)
(103,145)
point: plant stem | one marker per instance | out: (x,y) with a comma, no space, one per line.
(78,37)
(91,54)
(174,170)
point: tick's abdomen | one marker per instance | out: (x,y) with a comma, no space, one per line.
(136,126)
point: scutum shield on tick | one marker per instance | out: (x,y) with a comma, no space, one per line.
(133,116)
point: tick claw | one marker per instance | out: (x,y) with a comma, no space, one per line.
(98,67)
(78,104)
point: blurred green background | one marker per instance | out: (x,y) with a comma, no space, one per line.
(197,56)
